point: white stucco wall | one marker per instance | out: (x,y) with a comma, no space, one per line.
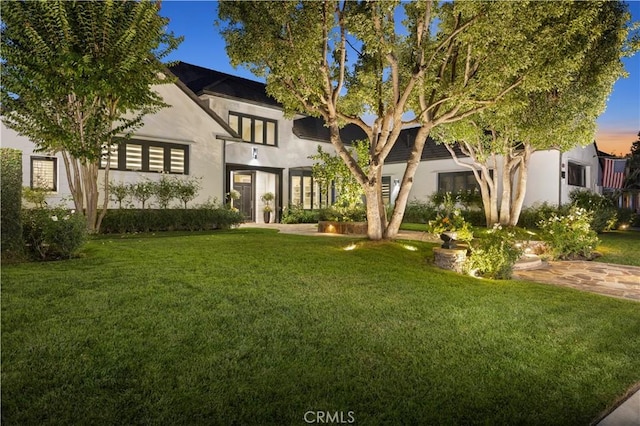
(183,122)
(544,183)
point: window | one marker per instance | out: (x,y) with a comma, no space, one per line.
(254,129)
(386,189)
(148,157)
(44,173)
(306,192)
(456,182)
(577,175)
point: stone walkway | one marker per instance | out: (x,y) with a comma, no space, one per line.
(596,277)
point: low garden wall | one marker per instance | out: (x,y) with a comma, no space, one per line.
(332,227)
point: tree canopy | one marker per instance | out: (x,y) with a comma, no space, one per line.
(417,63)
(76,73)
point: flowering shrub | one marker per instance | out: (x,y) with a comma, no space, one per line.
(570,236)
(451,222)
(604,213)
(494,255)
(55,233)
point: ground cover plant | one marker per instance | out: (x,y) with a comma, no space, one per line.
(254,327)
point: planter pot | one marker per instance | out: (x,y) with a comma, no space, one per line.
(267,217)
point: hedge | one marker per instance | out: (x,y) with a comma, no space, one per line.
(11,196)
(122,221)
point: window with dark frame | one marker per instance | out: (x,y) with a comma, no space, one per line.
(148,156)
(44,173)
(577,174)
(457,181)
(386,189)
(306,192)
(254,129)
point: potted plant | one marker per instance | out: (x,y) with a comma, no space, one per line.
(450,228)
(267,198)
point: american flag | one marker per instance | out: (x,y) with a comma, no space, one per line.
(613,175)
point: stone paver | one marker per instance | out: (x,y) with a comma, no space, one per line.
(603,278)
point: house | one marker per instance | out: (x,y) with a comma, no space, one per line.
(185,139)
(553,174)
(226,130)
(273,153)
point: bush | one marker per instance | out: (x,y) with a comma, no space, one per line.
(296,214)
(11,200)
(475,217)
(531,216)
(494,255)
(604,217)
(419,212)
(626,217)
(119,192)
(55,233)
(344,213)
(153,220)
(570,236)
(451,222)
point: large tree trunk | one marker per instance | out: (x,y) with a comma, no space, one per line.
(407,182)
(521,185)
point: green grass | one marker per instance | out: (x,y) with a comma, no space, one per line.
(622,247)
(253,327)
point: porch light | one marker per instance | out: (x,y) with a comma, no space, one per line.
(254,153)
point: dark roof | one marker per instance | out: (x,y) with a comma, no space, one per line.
(205,81)
(314,129)
(431,151)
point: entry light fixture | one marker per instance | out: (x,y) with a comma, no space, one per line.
(254,153)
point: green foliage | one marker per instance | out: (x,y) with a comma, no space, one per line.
(570,236)
(267,198)
(532,215)
(441,64)
(10,199)
(331,170)
(35,196)
(604,214)
(419,212)
(55,233)
(165,190)
(122,221)
(343,213)
(76,73)
(119,192)
(632,179)
(494,254)
(297,214)
(626,217)
(187,189)
(452,221)
(142,191)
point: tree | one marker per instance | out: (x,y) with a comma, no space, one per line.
(500,140)
(75,74)
(632,180)
(416,63)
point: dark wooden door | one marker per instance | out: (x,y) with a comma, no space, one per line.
(243,183)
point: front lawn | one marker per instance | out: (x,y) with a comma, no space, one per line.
(622,247)
(253,327)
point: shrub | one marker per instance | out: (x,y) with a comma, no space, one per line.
(187,189)
(494,254)
(475,217)
(119,192)
(531,216)
(154,220)
(296,214)
(10,200)
(625,217)
(165,190)
(37,197)
(419,212)
(55,233)
(569,236)
(344,213)
(604,217)
(142,191)
(451,222)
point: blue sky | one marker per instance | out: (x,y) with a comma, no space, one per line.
(617,127)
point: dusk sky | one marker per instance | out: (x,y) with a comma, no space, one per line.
(618,127)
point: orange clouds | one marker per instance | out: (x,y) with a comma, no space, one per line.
(616,142)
